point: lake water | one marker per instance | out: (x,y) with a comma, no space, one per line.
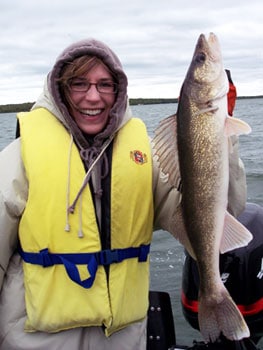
(166,253)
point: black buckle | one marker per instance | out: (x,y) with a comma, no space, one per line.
(107,257)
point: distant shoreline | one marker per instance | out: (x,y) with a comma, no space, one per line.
(24,107)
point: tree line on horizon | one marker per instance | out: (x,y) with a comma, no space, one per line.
(25,107)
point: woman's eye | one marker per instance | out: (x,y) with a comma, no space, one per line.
(78,83)
(106,84)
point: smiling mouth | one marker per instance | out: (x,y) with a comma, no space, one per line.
(91,112)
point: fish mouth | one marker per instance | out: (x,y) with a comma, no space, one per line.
(208,45)
(209,38)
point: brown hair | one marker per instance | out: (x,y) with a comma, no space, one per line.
(76,68)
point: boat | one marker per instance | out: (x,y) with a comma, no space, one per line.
(242,273)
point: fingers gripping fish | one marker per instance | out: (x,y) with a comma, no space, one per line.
(199,136)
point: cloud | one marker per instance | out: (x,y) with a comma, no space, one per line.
(154,40)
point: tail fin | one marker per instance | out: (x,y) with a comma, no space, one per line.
(221,316)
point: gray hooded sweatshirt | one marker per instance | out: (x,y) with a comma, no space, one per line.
(13,199)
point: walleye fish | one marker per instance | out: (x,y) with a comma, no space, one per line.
(198,137)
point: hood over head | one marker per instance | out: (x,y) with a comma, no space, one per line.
(92,151)
(96,48)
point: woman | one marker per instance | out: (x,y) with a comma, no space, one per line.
(82,192)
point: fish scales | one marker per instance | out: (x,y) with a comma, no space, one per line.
(203,159)
(202,170)
(198,135)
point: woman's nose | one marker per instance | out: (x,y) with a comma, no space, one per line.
(92,92)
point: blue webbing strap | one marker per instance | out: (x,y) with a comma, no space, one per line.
(92,260)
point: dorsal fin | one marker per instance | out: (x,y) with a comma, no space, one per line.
(165,148)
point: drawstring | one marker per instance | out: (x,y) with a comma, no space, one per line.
(67,227)
(88,154)
(71,208)
(80,232)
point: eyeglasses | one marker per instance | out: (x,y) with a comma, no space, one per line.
(103,86)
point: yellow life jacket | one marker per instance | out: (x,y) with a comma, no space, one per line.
(53,301)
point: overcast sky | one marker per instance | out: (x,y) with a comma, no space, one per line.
(154,40)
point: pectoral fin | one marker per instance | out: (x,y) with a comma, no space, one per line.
(235,126)
(235,234)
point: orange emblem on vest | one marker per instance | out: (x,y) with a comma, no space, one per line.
(138,157)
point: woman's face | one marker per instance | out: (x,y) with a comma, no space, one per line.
(91,108)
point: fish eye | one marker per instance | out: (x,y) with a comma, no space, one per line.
(201,57)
